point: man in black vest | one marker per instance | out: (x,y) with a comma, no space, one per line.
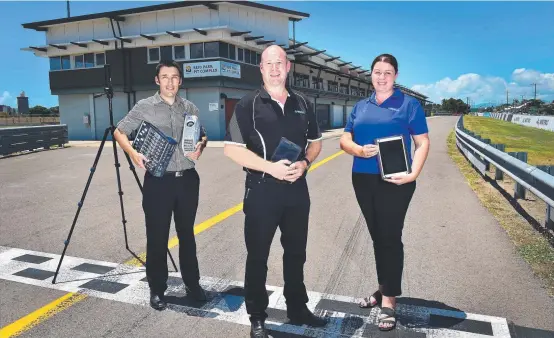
(276,191)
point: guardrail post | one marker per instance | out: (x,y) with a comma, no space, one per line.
(499,174)
(487,164)
(549,220)
(519,190)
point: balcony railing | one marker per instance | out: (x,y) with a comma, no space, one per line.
(319,88)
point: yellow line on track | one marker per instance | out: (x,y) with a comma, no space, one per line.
(49,310)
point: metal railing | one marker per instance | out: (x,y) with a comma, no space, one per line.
(481,154)
(17,139)
(28,120)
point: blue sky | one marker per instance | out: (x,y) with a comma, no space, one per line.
(444,49)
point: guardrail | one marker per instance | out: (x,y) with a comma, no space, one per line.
(17,139)
(481,154)
(20,120)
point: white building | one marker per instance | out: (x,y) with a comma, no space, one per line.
(219,44)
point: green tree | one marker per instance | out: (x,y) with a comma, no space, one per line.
(452,105)
(55,110)
(39,110)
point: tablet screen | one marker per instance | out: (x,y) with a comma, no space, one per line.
(392,156)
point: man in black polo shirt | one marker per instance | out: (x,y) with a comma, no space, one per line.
(276,192)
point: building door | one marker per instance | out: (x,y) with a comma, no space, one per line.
(323,116)
(347,111)
(229,109)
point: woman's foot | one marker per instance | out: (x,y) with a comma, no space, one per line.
(371,301)
(387,318)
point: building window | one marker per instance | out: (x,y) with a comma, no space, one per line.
(343,88)
(55,63)
(258,58)
(196,50)
(66,62)
(232,52)
(60,62)
(224,50)
(179,52)
(211,49)
(79,61)
(247,56)
(154,54)
(317,84)
(362,92)
(89,60)
(86,61)
(354,91)
(302,80)
(214,49)
(100,59)
(332,86)
(241,54)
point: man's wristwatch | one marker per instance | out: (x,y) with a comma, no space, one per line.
(307,162)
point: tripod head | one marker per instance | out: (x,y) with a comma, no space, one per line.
(108,91)
(108,88)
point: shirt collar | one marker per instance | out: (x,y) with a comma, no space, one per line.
(158,99)
(396,95)
(265,95)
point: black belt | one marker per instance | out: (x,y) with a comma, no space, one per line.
(176,173)
(268,178)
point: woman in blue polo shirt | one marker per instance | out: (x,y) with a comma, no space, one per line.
(384,203)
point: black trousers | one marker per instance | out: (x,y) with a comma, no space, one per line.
(162,197)
(384,206)
(269,204)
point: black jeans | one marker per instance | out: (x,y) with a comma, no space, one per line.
(384,206)
(162,197)
(268,205)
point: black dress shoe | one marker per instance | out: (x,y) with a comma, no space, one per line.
(196,292)
(257,329)
(157,302)
(308,318)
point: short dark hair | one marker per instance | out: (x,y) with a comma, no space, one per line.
(388,58)
(168,63)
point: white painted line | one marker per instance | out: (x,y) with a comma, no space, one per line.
(229,308)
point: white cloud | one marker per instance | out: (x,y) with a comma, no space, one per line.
(5,97)
(481,89)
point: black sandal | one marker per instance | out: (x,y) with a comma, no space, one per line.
(387,316)
(367,303)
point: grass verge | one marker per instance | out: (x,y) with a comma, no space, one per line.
(532,246)
(538,143)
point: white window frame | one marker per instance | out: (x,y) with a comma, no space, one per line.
(59,61)
(71,64)
(59,57)
(96,65)
(148,54)
(203,51)
(184,51)
(74,66)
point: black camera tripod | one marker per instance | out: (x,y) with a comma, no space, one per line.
(108,91)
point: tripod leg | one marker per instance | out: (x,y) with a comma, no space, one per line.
(132,167)
(172,261)
(120,192)
(80,204)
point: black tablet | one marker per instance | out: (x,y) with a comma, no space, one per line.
(286,150)
(392,155)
